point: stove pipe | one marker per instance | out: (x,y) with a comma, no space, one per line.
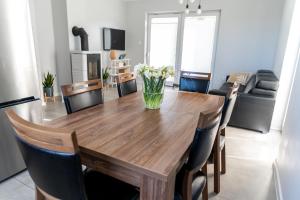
(83,36)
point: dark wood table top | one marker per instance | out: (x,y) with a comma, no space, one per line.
(153,141)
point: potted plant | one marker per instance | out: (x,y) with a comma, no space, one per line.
(153,83)
(48,84)
(105,75)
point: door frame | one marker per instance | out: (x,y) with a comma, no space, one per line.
(180,36)
(149,17)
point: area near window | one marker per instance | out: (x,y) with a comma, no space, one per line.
(186,42)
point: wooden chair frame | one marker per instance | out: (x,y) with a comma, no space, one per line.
(196,75)
(206,119)
(55,139)
(220,160)
(81,87)
(122,78)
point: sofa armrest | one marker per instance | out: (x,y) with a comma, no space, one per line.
(253,112)
(255,98)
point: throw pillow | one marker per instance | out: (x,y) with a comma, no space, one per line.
(268,85)
(240,78)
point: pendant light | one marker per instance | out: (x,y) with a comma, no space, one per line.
(187,9)
(181,1)
(199,10)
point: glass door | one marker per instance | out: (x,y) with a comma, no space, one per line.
(199,43)
(187,42)
(163,41)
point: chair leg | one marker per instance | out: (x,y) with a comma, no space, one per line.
(39,195)
(187,185)
(217,174)
(223,158)
(223,154)
(205,191)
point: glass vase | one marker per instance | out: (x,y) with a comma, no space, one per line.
(153,91)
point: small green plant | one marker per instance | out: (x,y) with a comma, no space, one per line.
(48,80)
(106,74)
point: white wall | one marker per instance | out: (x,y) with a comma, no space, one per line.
(61,36)
(41,13)
(288,162)
(248,32)
(284,34)
(49,21)
(285,63)
(288,159)
(93,15)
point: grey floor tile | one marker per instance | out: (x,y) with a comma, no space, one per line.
(249,175)
(14,190)
(25,178)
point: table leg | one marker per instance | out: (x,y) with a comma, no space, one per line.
(156,189)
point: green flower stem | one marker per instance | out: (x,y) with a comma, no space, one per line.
(153,91)
(153,101)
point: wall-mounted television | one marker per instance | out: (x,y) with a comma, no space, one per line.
(113,39)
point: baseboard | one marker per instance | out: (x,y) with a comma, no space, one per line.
(277,181)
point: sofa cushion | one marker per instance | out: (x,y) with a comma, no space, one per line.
(250,85)
(266,77)
(263,71)
(263,93)
(268,85)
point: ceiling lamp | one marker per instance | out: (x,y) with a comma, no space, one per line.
(187,9)
(199,10)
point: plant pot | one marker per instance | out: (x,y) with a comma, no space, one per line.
(153,92)
(105,82)
(48,92)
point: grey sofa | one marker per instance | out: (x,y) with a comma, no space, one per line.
(255,103)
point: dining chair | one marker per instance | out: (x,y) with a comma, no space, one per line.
(192,178)
(126,84)
(82,95)
(52,159)
(219,146)
(194,81)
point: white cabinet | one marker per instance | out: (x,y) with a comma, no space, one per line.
(86,65)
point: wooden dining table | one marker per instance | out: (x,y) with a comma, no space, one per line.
(142,147)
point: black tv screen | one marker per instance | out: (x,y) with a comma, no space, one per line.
(113,39)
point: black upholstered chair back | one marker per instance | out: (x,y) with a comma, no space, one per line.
(58,174)
(82,95)
(126,84)
(52,159)
(194,81)
(204,138)
(202,144)
(229,105)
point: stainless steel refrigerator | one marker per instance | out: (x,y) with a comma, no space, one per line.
(18,77)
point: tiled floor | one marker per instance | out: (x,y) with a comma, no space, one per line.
(250,156)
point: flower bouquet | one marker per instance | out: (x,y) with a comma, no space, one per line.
(153,83)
